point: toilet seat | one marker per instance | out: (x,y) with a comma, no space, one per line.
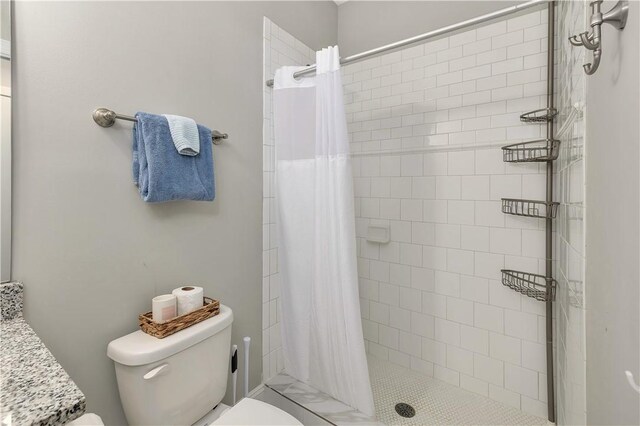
(253,412)
(88,419)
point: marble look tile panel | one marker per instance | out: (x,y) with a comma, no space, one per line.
(318,402)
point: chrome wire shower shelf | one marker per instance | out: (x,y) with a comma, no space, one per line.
(534,151)
(530,208)
(536,286)
(542,115)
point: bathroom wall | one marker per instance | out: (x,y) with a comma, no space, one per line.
(612,237)
(597,249)
(5,141)
(280,48)
(364,25)
(90,252)
(426,126)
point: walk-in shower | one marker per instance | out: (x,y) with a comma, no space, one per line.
(448,223)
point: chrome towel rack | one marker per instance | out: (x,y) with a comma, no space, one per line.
(105,117)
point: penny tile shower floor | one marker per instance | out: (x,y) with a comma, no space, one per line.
(435,402)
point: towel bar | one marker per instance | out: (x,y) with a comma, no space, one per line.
(106,118)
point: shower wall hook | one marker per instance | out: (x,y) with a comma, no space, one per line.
(616,17)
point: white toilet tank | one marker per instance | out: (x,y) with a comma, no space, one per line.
(175,380)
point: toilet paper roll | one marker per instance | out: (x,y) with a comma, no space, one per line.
(164,307)
(189,298)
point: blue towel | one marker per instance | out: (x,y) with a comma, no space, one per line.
(160,172)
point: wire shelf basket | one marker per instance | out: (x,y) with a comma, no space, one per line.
(530,208)
(534,151)
(536,286)
(542,115)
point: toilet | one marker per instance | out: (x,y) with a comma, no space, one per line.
(181,379)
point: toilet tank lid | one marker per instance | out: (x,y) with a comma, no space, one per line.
(139,348)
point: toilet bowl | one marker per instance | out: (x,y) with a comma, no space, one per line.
(179,380)
(246,412)
(252,412)
(88,419)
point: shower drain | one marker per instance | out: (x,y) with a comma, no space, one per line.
(405,410)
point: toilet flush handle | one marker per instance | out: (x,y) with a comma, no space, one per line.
(156,371)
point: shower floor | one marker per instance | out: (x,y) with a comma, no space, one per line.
(435,402)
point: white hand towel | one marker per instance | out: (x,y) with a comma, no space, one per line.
(184,132)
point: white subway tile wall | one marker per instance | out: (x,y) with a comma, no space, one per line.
(279,48)
(426,124)
(570,352)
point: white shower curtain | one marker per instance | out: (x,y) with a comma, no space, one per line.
(322,338)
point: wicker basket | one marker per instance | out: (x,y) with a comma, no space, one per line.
(163,329)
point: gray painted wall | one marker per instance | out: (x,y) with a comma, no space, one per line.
(364,25)
(5,20)
(90,252)
(612,183)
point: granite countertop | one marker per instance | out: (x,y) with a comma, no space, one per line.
(34,388)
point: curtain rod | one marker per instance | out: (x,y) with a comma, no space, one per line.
(424,36)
